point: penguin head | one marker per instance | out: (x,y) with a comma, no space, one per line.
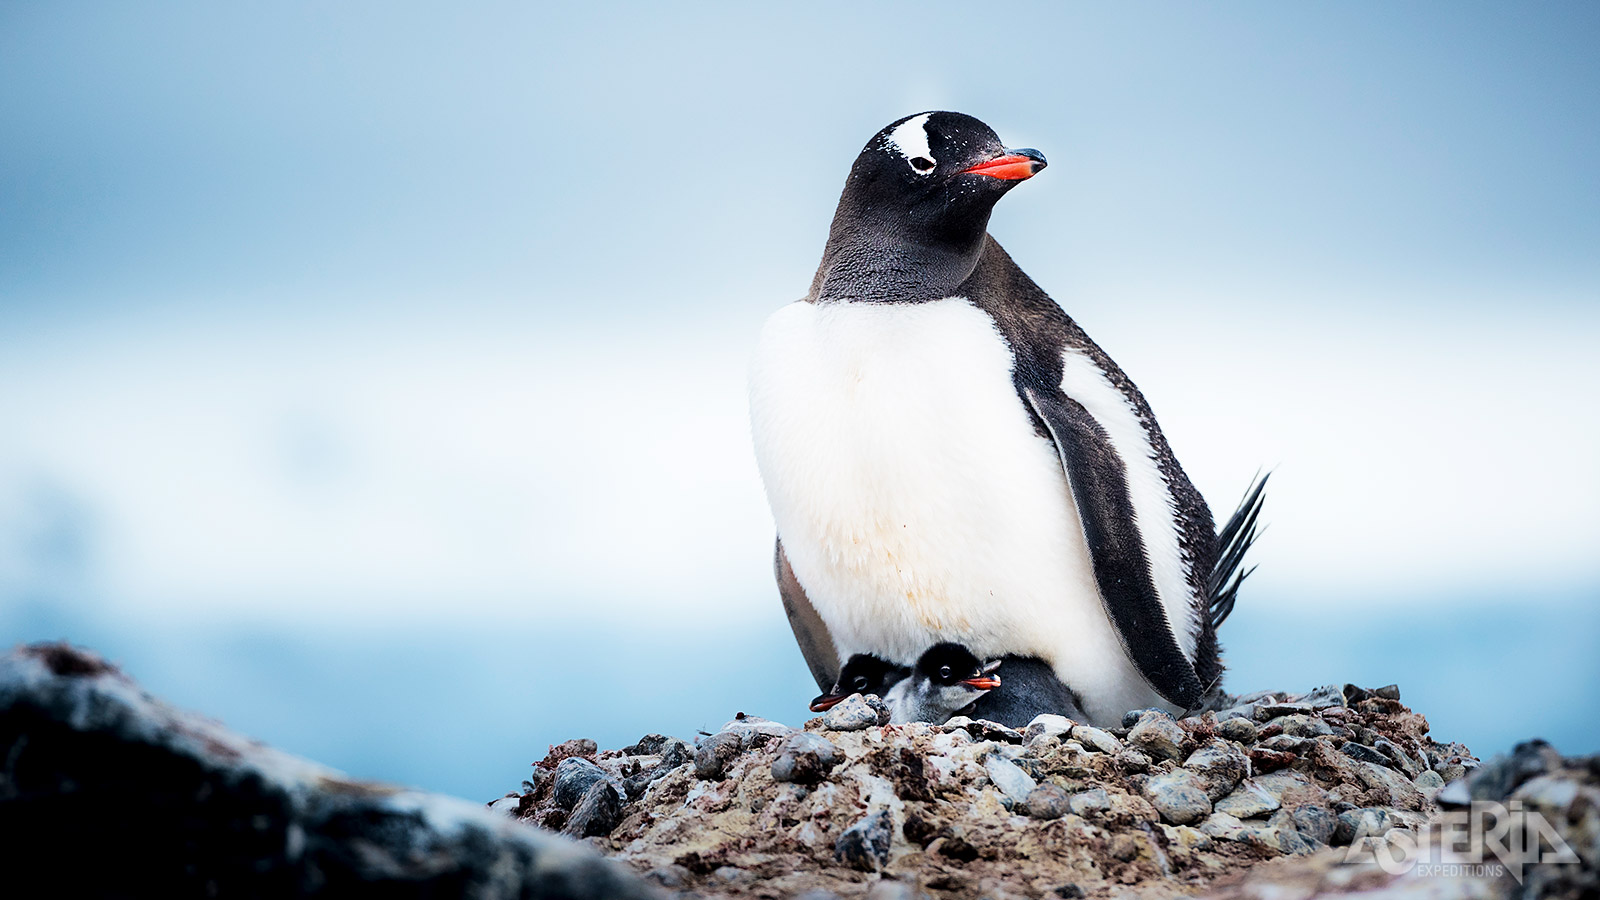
(946,678)
(934,177)
(861,674)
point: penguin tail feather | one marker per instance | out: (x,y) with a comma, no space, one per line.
(1233,541)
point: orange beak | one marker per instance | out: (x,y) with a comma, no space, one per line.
(983,682)
(1015,165)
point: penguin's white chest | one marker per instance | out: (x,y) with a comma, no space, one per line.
(914,499)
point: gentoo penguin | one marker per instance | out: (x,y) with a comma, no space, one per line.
(949,457)
(861,674)
(1029,688)
(947,678)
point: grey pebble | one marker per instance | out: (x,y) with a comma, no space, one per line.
(1179,796)
(1097,739)
(1009,778)
(1089,802)
(1239,729)
(805,758)
(1300,725)
(716,751)
(856,713)
(1220,765)
(1134,761)
(1317,823)
(1370,822)
(574,776)
(597,813)
(1247,801)
(1157,735)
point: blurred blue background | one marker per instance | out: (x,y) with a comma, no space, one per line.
(372,375)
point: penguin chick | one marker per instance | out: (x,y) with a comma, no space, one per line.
(947,678)
(861,674)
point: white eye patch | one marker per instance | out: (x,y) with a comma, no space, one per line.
(910,138)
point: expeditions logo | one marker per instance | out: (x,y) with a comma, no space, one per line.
(1486,840)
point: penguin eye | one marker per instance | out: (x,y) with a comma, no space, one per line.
(944,673)
(860,684)
(922,164)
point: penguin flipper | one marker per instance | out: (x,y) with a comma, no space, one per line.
(1098,479)
(810,632)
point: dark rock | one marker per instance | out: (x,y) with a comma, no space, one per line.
(1363,753)
(1387,692)
(1373,822)
(1317,823)
(716,751)
(805,758)
(865,845)
(574,776)
(674,753)
(596,814)
(1269,711)
(649,745)
(1069,891)
(175,805)
(1048,801)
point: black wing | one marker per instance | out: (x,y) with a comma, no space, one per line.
(816,643)
(1099,482)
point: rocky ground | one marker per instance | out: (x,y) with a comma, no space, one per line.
(107,791)
(849,806)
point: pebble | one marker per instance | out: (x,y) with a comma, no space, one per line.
(1086,803)
(1097,739)
(749,727)
(1369,822)
(1186,837)
(1009,778)
(1048,724)
(1315,822)
(507,805)
(805,758)
(1221,825)
(1325,696)
(574,776)
(1134,761)
(856,713)
(1238,728)
(1248,801)
(1269,711)
(1220,765)
(1157,735)
(1291,788)
(1363,753)
(1387,692)
(1396,789)
(1299,725)
(1132,716)
(865,845)
(1429,782)
(1179,796)
(1285,743)
(716,751)
(1047,801)
(597,813)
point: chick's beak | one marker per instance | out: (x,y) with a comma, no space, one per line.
(983,682)
(1011,165)
(826,702)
